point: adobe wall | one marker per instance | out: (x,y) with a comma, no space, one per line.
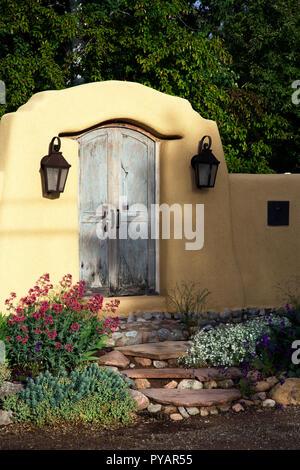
(39,235)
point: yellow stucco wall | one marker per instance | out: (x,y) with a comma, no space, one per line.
(267,256)
(39,235)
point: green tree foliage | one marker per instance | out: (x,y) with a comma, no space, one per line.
(34,49)
(263,38)
(158,43)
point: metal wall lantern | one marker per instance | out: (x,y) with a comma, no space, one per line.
(55,168)
(205,165)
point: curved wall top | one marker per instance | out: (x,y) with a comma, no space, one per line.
(80,107)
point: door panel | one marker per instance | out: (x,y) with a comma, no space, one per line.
(93,252)
(117,165)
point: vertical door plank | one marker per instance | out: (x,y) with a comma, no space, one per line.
(93,252)
(136,272)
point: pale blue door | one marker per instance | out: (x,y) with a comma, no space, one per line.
(117,168)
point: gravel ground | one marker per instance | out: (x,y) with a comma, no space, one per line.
(267,429)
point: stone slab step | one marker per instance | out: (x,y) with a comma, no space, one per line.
(157,351)
(191,397)
(203,374)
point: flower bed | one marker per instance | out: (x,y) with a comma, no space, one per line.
(53,327)
(227,345)
(49,335)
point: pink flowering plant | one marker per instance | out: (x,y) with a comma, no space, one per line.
(54,327)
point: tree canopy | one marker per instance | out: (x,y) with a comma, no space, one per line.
(199,51)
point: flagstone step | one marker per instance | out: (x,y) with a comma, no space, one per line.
(156,351)
(202,374)
(191,398)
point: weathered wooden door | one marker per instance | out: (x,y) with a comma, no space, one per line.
(116,190)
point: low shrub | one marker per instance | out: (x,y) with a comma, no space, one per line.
(94,394)
(226,345)
(53,327)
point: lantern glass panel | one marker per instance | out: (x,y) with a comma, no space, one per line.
(52,177)
(203,174)
(213,175)
(63,177)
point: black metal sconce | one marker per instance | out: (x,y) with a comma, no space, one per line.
(55,168)
(205,165)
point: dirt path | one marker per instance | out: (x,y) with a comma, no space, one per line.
(251,430)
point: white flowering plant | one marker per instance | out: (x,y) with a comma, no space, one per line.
(226,345)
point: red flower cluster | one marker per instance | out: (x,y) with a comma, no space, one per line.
(60,320)
(109,325)
(66,281)
(111,306)
(57,308)
(95,303)
(52,334)
(74,327)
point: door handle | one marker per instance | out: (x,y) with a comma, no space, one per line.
(118,219)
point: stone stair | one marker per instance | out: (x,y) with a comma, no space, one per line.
(190,398)
(202,374)
(156,351)
(160,355)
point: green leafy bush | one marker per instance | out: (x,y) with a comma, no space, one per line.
(53,327)
(226,345)
(94,394)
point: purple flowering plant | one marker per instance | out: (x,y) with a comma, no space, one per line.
(273,349)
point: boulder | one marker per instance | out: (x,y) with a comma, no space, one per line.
(142,383)
(213,410)
(114,358)
(192,410)
(272,380)
(141,400)
(204,411)
(268,403)
(183,412)
(259,396)
(9,388)
(238,407)
(176,417)
(263,386)
(187,384)
(172,384)
(210,384)
(160,364)
(170,409)
(143,361)
(225,407)
(288,393)
(5,417)
(154,408)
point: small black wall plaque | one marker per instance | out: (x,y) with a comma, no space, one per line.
(278,213)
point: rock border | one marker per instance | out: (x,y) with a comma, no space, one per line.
(150,327)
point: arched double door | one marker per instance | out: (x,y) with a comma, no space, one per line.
(117,186)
